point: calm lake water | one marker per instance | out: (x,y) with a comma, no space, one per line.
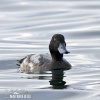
(26,27)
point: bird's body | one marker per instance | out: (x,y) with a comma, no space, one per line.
(45,62)
(35,63)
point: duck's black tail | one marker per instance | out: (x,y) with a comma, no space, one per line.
(20,61)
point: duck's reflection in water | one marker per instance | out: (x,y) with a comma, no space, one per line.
(57,79)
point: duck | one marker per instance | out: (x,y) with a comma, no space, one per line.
(46,62)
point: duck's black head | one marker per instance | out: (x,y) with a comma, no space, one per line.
(57,47)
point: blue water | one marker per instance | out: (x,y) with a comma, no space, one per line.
(26,27)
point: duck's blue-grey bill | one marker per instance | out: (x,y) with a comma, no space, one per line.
(62,49)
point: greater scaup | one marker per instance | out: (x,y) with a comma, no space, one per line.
(44,62)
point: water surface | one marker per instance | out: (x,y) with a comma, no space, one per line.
(26,26)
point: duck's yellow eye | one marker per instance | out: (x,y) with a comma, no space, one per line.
(54,39)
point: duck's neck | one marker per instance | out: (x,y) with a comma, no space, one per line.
(56,55)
